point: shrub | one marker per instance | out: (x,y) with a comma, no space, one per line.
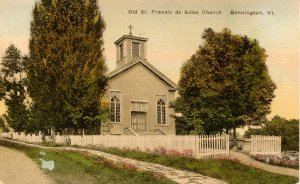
(128,166)
(104,161)
(158,176)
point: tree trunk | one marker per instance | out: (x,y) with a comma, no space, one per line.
(234,136)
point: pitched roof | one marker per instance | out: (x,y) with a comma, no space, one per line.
(171,84)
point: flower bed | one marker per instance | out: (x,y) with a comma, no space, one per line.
(163,151)
(285,161)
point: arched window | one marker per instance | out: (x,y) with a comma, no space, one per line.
(161,112)
(115,109)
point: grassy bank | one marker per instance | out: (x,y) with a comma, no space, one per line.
(227,170)
(74,167)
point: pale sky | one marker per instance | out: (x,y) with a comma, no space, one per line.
(174,38)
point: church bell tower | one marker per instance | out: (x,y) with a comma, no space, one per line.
(129,48)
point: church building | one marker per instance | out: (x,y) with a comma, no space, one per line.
(138,93)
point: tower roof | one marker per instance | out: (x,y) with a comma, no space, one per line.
(130,37)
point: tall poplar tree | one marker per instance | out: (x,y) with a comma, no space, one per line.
(224,85)
(12,70)
(66,67)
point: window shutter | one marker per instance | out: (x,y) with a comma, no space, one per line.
(121,51)
(135,49)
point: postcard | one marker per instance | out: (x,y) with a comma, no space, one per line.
(146,48)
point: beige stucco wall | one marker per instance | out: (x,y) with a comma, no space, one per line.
(140,84)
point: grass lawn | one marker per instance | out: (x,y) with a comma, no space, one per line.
(230,171)
(73,167)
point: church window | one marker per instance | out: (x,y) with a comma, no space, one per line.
(135,49)
(161,112)
(115,109)
(121,51)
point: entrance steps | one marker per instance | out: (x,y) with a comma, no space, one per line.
(129,131)
(144,133)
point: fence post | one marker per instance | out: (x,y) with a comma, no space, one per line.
(227,143)
(196,153)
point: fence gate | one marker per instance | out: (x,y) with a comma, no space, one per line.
(266,145)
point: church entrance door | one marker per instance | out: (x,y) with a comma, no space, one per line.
(138,120)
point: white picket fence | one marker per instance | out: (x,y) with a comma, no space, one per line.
(265,145)
(32,138)
(199,146)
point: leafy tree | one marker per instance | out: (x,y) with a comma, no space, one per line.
(2,122)
(225,84)
(66,68)
(2,88)
(17,113)
(279,126)
(3,128)
(12,71)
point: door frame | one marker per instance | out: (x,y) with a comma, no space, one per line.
(138,112)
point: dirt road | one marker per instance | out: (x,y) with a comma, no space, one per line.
(17,168)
